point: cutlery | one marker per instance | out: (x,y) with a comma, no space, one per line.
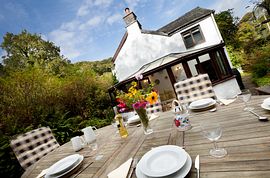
(261,118)
(213,110)
(197,165)
(132,167)
(80,171)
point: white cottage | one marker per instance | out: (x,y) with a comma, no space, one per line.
(186,47)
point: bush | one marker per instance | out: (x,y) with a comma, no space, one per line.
(33,98)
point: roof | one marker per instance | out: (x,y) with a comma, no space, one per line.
(168,60)
(124,38)
(169,29)
(189,17)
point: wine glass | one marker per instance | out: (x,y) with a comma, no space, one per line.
(245,97)
(90,139)
(213,132)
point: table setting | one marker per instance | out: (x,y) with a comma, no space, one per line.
(241,135)
(164,161)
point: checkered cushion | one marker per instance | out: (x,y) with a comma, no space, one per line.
(154,108)
(194,88)
(33,145)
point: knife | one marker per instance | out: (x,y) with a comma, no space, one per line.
(197,165)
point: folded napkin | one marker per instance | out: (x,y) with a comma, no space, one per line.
(121,171)
(227,101)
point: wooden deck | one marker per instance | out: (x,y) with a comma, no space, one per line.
(246,139)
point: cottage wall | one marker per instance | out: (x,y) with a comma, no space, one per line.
(142,48)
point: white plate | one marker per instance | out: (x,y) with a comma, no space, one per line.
(133,119)
(163,160)
(63,166)
(210,104)
(265,106)
(179,174)
(267,101)
(202,103)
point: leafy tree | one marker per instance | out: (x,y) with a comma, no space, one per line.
(227,25)
(247,36)
(28,50)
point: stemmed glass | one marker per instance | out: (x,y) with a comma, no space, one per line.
(213,132)
(245,97)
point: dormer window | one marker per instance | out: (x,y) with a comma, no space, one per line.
(193,37)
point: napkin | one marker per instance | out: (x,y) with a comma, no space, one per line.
(121,171)
(42,174)
(227,101)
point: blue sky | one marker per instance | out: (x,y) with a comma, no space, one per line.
(88,30)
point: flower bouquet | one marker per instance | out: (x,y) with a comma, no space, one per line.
(138,99)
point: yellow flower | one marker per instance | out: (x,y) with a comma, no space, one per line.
(152,98)
(134,84)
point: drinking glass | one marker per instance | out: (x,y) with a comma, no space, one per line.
(213,131)
(245,97)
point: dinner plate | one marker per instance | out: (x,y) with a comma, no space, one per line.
(163,160)
(133,119)
(64,166)
(265,106)
(179,174)
(267,101)
(209,105)
(202,103)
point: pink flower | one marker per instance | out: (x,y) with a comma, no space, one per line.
(136,105)
(139,76)
(143,104)
(139,104)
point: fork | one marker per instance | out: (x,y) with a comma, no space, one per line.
(132,167)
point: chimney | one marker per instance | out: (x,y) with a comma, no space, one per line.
(130,17)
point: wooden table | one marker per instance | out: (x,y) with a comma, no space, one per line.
(246,139)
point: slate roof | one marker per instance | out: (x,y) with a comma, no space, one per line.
(189,17)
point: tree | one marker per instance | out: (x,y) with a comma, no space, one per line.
(247,36)
(227,25)
(28,50)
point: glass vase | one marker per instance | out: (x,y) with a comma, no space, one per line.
(144,121)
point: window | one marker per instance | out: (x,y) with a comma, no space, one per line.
(214,63)
(193,37)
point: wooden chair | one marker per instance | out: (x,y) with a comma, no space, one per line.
(31,146)
(154,108)
(194,88)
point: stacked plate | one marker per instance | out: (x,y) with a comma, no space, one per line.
(266,104)
(64,166)
(164,161)
(202,104)
(133,120)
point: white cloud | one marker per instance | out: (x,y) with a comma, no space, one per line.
(132,4)
(44,37)
(91,23)
(103,3)
(83,10)
(87,4)
(239,6)
(176,6)
(114,18)
(67,42)
(72,25)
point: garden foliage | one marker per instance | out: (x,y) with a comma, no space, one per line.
(46,90)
